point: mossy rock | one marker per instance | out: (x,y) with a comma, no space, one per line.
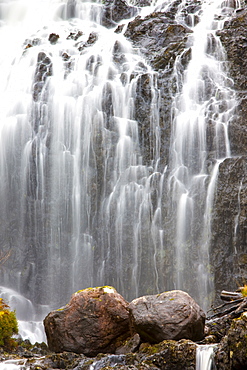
(232,352)
(170,354)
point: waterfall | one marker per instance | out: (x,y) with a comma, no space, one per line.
(199,143)
(83,188)
(76,196)
(205,357)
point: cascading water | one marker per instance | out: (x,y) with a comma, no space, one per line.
(201,112)
(205,357)
(74,191)
(82,198)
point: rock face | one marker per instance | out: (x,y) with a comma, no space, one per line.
(233,37)
(229,229)
(115,11)
(91,323)
(160,39)
(232,351)
(170,315)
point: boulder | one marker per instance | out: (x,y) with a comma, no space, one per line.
(115,11)
(92,322)
(170,315)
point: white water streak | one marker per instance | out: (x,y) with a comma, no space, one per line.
(205,357)
(204,83)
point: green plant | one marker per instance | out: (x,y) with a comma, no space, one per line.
(244,290)
(8,325)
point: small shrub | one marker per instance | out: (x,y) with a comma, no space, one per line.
(8,325)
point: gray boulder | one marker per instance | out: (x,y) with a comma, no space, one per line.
(169,315)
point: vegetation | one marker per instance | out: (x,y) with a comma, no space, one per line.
(8,325)
(244,290)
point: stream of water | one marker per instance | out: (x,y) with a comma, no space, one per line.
(205,357)
(199,143)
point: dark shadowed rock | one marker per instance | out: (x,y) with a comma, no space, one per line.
(142,3)
(115,11)
(229,229)
(92,322)
(44,69)
(159,37)
(53,37)
(169,315)
(232,351)
(233,37)
(170,355)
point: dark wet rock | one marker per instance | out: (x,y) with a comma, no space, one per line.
(218,327)
(66,57)
(229,229)
(65,360)
(53,37)
(118,55)
(168,355)
(92,322)
(229,232)
(142,3)
(130,345)
(31,42)
(92,38)
(171,355)
(44,70)
(142,114)
(232,351)
(75,35)
(159,38)
(115,11)
(233,37)
(165,316)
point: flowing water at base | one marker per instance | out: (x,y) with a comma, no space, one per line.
(205,357)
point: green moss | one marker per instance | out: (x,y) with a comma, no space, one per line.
(106,289)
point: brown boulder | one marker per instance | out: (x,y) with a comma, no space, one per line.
(169,315)
(92,322)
